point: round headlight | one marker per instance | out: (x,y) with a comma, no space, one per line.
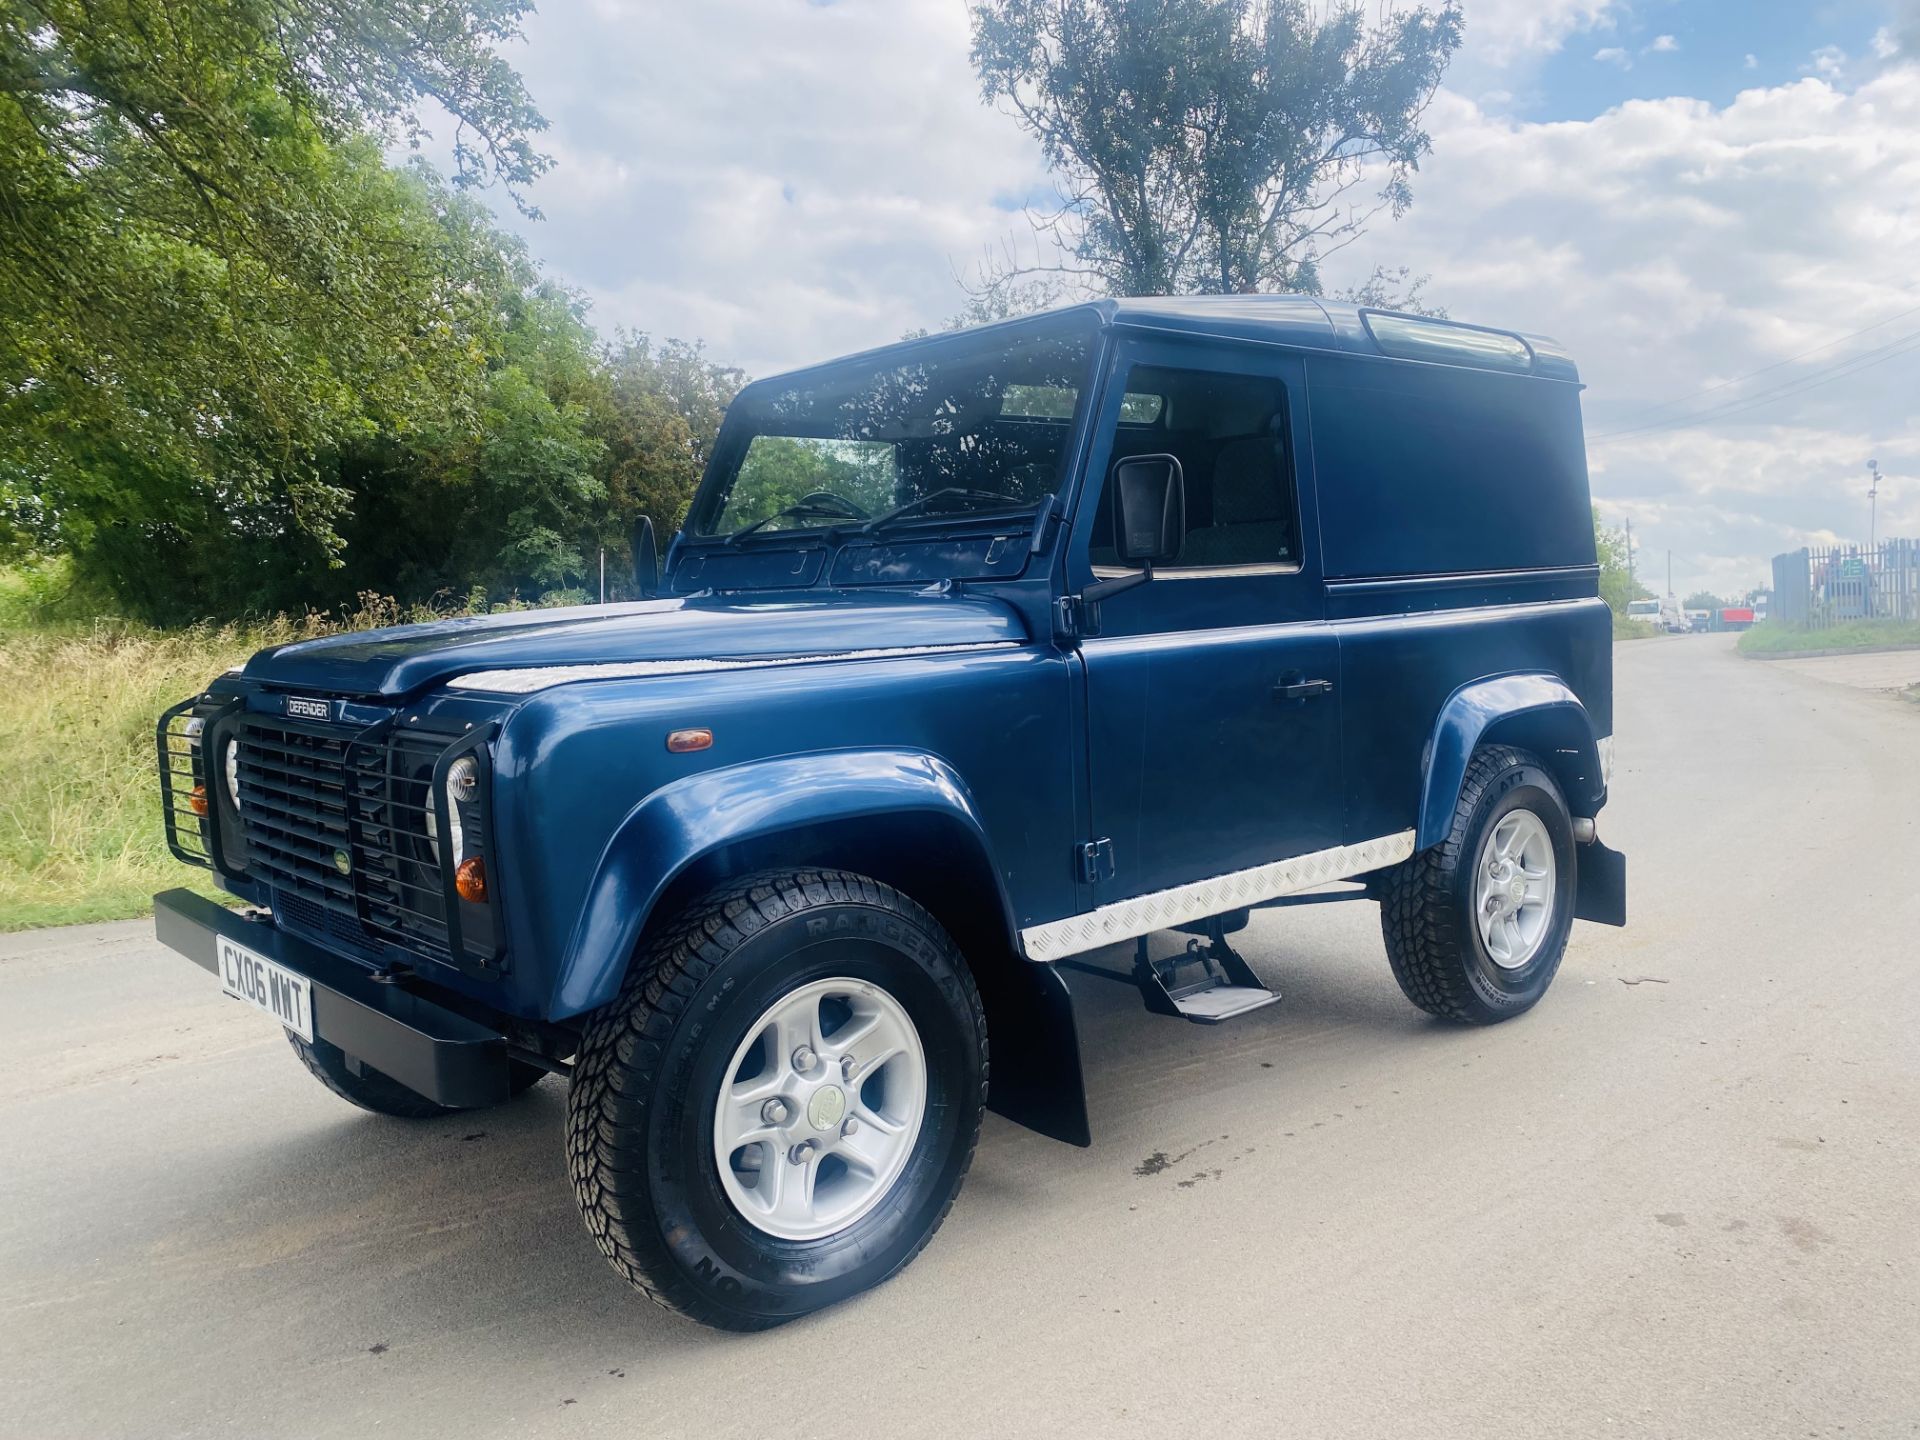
(233,774)
(463,780)
(463,787)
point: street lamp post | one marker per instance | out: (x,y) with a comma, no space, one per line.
(1873,503)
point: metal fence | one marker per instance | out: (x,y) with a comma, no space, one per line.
(1837,584)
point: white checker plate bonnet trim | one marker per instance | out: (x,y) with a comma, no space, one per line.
(1142,915)
(541,677)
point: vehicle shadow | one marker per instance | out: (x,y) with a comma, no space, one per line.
(405,1230)
(469,1222)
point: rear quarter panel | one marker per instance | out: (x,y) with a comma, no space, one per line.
(1397,671)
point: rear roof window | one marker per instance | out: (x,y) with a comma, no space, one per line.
(1055,402)
(1410,337)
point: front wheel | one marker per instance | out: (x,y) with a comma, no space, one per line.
(780,1107)
(1476,926)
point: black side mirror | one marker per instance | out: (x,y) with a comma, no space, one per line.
(1149,519)
(1149,509)
(646,558)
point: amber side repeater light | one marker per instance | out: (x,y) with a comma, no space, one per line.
(680,742)
(470,879)
(197,801)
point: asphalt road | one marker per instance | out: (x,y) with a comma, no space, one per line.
(1681,1198)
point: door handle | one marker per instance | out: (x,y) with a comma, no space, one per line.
(1294,688)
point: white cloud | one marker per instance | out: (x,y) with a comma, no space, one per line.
(1829,62)
(785,180)
(1752,62)
(1885,46)
(1500,32)
(790,181)
(1662,45)
(1614,55)
(1674,245)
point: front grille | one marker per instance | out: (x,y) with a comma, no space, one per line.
(321,922)
(336,821)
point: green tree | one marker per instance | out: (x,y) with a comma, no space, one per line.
(1618,587)
(504,499)
(656,411)
(1703,600)
(777,471)
(211,284)
(1213,145)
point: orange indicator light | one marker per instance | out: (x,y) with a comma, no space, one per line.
(470,880)
(680,742)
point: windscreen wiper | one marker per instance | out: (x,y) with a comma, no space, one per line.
(802,511)
(973,498)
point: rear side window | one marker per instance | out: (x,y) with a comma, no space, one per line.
(1431,469)
(1229,433)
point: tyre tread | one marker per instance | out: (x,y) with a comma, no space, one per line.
(1421,925)
(613,1070)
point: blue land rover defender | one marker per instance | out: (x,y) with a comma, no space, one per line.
(976,655)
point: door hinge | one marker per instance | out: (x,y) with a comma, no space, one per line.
(1096,861)
(1075,618)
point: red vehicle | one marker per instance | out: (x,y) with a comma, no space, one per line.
(1736,617)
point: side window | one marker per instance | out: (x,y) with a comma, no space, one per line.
(1229,433)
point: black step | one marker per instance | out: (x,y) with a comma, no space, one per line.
(1218,983)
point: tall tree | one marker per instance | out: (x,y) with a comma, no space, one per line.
(1213,145)
(658,414)
(209,279)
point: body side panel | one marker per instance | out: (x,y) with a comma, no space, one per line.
(1399,672)
(597,815)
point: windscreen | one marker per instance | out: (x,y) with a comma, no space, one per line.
(979,430)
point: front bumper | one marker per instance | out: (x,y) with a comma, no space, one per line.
(438,1052)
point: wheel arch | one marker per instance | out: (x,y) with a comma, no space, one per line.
(903,818)
(1532,711)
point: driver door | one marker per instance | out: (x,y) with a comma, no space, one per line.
(1213,725)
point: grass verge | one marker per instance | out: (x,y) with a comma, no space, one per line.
(80,831)
(1773,640)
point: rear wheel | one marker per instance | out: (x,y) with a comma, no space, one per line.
(780,1108)
(1476,926)
(373,1090)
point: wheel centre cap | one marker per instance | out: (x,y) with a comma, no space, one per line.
(827,1107)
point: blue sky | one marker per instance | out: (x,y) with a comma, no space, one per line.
(788,180)
(1707,49)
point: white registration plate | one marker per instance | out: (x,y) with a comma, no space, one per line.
(267,987)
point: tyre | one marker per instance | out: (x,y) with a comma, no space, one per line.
(1476,925)
(371,1090)
(778,1110)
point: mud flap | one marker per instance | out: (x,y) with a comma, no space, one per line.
(1600,894)
(1034,1052)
